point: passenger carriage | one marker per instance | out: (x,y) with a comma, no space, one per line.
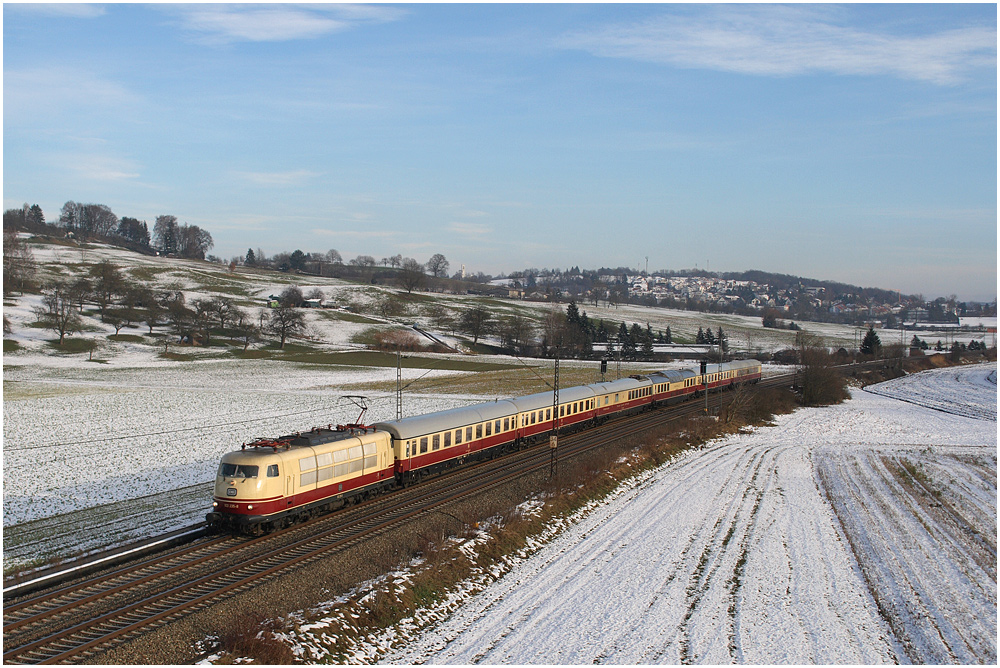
(535,417)
(625,395)
(721,376)
(430,443)
(673,385)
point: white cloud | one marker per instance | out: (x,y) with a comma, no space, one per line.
(98,167)
(48,90)
(470,229)
(785,41)
(277,178)
(275,23)
(79,10)
(355,234)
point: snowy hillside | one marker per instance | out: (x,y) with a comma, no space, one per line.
(861,533)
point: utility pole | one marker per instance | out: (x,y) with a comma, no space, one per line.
(554,437)
(399,387)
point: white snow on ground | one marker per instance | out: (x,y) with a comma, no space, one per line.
(948,390)
(734,553)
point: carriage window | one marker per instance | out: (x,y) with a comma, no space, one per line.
(437,442)
(489,428)
(423,444)
(562,411)
(496,427)
(468,433)
(272,471)
(479,431)
(458,436)
(548,413)
(506,426)
(447,439)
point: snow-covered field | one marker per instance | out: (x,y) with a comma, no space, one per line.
(87,437)
(861,533)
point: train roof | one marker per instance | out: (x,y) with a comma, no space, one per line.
(672,375)
(735,364)
(454,418)
(542,399)
(620,385)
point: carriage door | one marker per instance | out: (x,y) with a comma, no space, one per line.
(289,491)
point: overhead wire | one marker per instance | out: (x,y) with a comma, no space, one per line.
(165,431)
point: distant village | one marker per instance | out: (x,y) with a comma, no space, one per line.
(785,299)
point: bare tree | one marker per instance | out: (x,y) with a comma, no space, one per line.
(19,266)
(291,297)
(108,284)
(390,306)
(285,321)
(193,241)
(58,313)
(515,332)
(821,383)
(411,275)
(222,307)
(165,233)
(437,265)
(98,220)
(245,327)
(475,322)
(180,317)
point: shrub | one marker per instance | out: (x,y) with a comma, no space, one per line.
(396,339)
(250,636)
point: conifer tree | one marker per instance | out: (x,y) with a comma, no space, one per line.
(871,345)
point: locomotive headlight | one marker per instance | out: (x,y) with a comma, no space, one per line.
(250,507)
(215,504)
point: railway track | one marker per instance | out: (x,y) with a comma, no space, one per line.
(78,620)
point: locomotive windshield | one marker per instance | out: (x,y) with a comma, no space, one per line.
(238,470)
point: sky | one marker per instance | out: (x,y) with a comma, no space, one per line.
(855,143)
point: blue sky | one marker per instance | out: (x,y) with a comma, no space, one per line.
(845,142)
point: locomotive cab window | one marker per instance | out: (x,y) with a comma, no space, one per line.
(272,471)
(238,471)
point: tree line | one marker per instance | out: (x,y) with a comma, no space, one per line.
(97,222)
(406,272)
